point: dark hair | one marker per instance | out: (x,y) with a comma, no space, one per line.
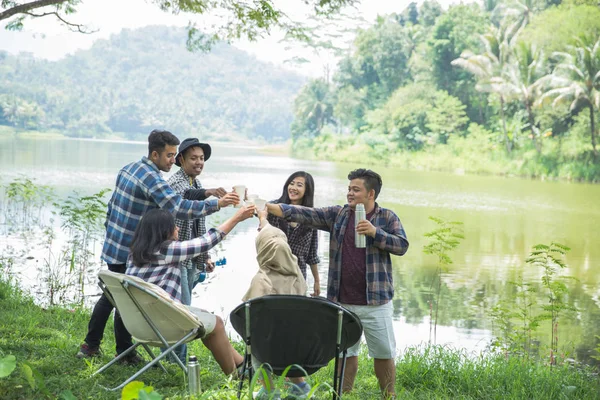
(154,230)
(158,139)
(371,179)
(309,189)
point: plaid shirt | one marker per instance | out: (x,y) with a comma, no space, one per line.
(165,272)
(303,241)
(189,229)
(140,187)
(390,238)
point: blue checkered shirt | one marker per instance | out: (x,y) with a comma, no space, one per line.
(165,272)
(140,187)
(390,238)
(188,228)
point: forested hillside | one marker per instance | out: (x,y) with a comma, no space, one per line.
(509,87)
(143,79)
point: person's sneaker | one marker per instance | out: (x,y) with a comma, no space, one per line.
(85,351)
(131,359)
(299,390)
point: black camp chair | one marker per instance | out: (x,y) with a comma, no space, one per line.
(287,330)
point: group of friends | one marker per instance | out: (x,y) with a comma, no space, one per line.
(156,230)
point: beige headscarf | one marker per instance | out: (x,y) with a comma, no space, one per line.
(278,268)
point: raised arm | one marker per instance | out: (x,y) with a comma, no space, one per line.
(318,218)
(187,249)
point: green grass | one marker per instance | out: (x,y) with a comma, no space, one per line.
(47,340)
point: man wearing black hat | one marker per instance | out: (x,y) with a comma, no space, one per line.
(190,159)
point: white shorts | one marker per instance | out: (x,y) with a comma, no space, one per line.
(378,330)
(209,320)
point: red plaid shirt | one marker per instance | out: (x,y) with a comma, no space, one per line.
(390,238)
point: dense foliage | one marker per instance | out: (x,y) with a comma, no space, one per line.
(516,80)
(144,79)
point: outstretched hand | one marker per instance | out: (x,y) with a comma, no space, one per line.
(229,199)
(217,192)
(244,213)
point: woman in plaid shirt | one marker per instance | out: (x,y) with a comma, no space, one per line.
(299,189)
(155,257)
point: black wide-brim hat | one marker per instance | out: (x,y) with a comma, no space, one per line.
(192,142)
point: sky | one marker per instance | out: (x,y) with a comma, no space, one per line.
(48,38)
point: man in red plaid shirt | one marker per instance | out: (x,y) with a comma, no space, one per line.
(360,279)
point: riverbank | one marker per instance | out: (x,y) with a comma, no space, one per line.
(475,154)
(44,342)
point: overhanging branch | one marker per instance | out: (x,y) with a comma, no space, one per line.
(26,7)
(74,27)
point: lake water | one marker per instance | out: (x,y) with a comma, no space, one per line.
(503,218)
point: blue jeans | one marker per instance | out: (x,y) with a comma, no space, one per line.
(187,284)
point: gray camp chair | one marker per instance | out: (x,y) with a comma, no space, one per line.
(287,331)
(152,318)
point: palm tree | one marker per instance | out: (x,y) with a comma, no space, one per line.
(516,14)
(523,76)
(576,79)
(313,106)
(488,67)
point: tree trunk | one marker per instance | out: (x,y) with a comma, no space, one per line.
(536,143)
(506,140)
(593,132)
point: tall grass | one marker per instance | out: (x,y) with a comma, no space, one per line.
(46,339)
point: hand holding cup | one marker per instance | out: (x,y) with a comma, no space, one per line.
(229,199)
(244,213)
(241,191)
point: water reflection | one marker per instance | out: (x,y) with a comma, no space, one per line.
(502,219)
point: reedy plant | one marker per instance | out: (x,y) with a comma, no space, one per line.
(25,201)
(550,259)
(444,238)
(517,320)
(82,218)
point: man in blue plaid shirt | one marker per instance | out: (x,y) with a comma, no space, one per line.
(360,279)
(140,187)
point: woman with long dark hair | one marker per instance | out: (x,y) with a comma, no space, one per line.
(299,189)
(155,257)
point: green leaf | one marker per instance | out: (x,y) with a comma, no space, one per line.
(67,395)
(131,390)
(28,373)
(7,365)
(145,395)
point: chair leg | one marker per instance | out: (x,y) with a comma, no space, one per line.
(150,364)
(152,356)
(116,359)
(341,378)
(247,365)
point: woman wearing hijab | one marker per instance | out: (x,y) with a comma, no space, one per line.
(278,273)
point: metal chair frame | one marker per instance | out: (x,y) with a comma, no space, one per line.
(155,359)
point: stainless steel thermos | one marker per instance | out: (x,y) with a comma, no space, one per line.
(193,375)
(359,214)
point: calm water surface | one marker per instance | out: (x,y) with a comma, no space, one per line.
(503,219)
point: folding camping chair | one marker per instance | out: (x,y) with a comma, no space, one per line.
(289,330)
(152,318)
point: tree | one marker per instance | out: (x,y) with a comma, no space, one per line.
(523,77)
(429,11)
(576,80)
(241,18)
(488,67)
(455,31)
(313,109)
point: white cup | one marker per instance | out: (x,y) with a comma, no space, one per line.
(241,192)
(260,204)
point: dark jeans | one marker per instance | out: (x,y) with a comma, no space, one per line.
(100,315)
